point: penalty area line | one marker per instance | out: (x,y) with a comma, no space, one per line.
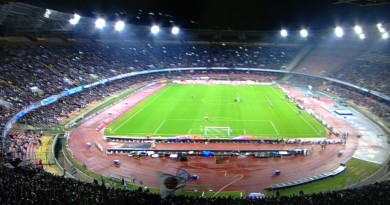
(159,126)
(273,125)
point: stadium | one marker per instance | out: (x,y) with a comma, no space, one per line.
(99,111)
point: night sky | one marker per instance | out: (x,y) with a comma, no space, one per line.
(226,14)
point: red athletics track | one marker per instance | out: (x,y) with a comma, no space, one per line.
(247,174)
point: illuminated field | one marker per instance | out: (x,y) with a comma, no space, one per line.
(176,110)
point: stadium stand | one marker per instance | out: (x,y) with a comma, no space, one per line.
(28,184)
(53,67)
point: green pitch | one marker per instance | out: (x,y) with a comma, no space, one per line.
(175,110)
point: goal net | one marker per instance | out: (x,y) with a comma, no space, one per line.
(217,132)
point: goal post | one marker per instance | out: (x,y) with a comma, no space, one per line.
(216,132)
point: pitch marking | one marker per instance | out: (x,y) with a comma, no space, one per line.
(138,111)
(159,126)
(274,127)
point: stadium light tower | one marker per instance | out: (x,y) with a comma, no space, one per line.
(362,36)
(339,32)
(155,29)
(75,20)
(358,30)
(119,26)
(100,23)
(175,30)
(283,33)
(304,33)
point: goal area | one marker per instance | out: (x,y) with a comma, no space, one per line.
(217,132)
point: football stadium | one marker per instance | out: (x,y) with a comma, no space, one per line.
(96,110)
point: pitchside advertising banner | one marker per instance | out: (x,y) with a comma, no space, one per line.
(220,82)
(74,90)
(48,100)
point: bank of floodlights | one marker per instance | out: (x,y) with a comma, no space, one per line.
(338,31)
(283,33)
(75,20)
(304,33)
(119,25)
(155,29)
(100,23)
(175,30)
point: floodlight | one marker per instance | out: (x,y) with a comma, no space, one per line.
(385,35)
(283,33)
(100,23)
(75,20)
(155,29)
(304,33)
(380,28)
(358,29)
(47,13)
(339,32)
(362,36)
(119,26)
(175,30)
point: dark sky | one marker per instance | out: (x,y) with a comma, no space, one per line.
(228,14)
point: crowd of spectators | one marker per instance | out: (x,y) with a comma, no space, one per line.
(33,71)
(36,70)
(21,144)
(370,70)
(374,105)
(26,184)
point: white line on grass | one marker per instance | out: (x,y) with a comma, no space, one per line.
(218,119)
(310,125)
(274,127)
(269,102)
(159,126)
(295,109)
(139,110)
(277,92)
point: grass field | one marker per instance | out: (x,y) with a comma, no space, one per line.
(356,171)
(178,110)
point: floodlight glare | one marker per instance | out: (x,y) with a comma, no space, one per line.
(175,30)
(358,29)
(381,30)
(385,35)
(119,26)
(75,20)
(304,33)
(362,36)
(339,32)
(47,13)
(155,29)
(283,33)
(100,23)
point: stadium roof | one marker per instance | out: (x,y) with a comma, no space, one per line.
(362,2)
(228,14)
